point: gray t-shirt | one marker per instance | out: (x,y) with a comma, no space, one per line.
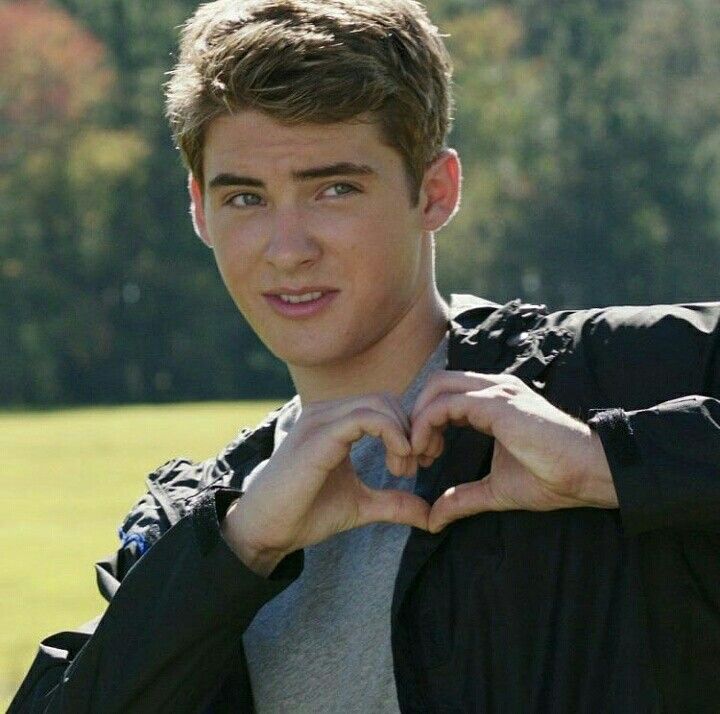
(323,644)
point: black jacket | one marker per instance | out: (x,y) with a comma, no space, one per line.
(576,610)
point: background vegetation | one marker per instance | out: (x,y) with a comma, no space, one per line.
(590,132)
(61,509)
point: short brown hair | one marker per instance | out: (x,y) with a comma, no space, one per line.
(315,61)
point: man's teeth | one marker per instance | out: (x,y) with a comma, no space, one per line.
(307,297)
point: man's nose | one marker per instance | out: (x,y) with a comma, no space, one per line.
(290,246)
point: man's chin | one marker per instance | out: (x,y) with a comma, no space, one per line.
(308,359)
(314,354)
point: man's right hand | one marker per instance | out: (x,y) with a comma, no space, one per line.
(309,490)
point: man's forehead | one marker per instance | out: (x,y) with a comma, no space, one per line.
(249,142)
(257,127)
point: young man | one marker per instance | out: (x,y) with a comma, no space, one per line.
(465,508)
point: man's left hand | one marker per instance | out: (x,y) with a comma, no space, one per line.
(543,458)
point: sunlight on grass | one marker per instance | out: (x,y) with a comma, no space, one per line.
(68,479)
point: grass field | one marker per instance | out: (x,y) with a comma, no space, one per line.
(68,478)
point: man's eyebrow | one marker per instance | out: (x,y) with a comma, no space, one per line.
(344,168)
(235,180)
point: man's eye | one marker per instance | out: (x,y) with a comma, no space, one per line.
(243,200)
(340,189)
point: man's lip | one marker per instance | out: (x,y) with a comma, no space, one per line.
(300,291)
(302,309)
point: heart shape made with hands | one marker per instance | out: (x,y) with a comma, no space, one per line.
(543,458)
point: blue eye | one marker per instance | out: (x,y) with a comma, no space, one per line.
(342,189)
(244,200)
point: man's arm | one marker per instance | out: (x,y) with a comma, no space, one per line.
(661,363)
(665,463)
(661,432)
(664,452)
(171,632)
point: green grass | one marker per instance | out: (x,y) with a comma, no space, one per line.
(68,478)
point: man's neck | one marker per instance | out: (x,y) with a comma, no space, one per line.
(389,365)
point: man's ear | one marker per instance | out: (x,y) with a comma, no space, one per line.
(197,210)
(440,192)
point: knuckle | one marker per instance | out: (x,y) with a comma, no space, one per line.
(453,496)
(502,392)
(515,382)
(436,379)
(376,402)
(396,507)
(361,413)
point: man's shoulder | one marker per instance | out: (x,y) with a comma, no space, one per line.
(659,318)
(616,324)
(178,485)
(634,352)
(641,355)
(698,315)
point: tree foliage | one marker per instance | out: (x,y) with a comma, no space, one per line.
(590,138)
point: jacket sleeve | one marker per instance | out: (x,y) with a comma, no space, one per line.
(180,600)
(665,463)
(662,434)
(660,367)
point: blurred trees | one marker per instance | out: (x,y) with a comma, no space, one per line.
(58,169)
(589,131)
(600,183)
(106,294)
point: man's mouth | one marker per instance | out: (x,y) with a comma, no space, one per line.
(302,303)
(305,297)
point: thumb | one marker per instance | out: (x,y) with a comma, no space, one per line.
(393,506)
(465,499)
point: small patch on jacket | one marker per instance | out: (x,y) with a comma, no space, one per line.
(128,538)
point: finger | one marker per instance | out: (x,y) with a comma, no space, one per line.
(436,444)
(476,408)
(453,381)
(388,427)
(434,448)
(329,412)
(394,403)
(465,499)
(398,465)
(399,458)
(367,421)
(401,465)
(392,506)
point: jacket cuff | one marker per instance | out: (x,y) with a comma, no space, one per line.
(636,490)
(665,463)
(207,516)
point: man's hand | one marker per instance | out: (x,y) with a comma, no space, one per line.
(543,459)
(309,491)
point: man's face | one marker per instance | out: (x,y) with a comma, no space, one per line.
(313,232)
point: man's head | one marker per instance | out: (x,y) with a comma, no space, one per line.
(315,136)
(315,62)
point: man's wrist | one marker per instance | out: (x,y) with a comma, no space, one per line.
(598,485)
(260,560)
